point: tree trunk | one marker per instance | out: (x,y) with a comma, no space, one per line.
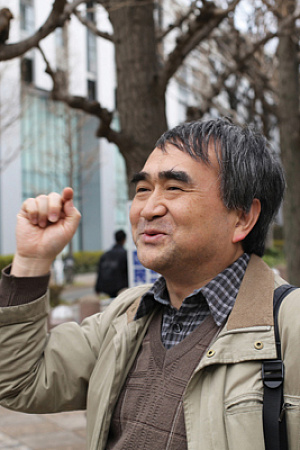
(140,104)
(290,142)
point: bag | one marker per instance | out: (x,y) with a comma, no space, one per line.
(275,433)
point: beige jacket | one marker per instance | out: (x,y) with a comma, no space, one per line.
(78,367)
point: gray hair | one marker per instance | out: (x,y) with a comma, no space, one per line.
(249,169)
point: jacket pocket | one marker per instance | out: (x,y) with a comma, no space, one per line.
(243,421)
(291,410)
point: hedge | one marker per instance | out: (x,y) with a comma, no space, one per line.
(87,261)
(5,260)
(274,256)
(84,261)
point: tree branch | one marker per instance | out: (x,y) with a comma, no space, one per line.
(242,63)
(91,107)
(199,28)
(122,4)
(92,27)
(178,23)
(60,13)
(55,19)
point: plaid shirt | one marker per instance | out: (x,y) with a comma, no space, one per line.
(216,298)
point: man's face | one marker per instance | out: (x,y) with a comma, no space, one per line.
(179,222)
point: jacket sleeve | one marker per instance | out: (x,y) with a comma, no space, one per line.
(18,291)
(40,372)
(289,328)
(44,372)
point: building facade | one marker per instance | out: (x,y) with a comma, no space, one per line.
(44,145)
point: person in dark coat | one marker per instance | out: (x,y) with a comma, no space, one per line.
(112,269)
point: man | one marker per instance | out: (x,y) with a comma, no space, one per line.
(112,268)
(178,364)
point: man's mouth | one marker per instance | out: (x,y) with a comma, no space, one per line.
(152,236)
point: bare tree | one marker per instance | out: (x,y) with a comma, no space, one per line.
(143,72)
(240,78)
(289,122)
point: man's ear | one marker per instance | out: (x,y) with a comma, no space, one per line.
(246,221)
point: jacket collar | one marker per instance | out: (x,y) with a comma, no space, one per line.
(254,302)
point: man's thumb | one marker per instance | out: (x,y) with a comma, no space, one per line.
(72,215)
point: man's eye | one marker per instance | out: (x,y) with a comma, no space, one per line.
(141,189)
(174,188)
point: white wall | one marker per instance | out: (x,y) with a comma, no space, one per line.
(10,185)
(10,167)
(107,193)
(77,57)
(106,95)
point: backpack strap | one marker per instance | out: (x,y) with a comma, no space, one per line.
(275,433)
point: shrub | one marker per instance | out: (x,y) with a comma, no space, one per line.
(86,261)
(274,256)
(5,260)
(54,294)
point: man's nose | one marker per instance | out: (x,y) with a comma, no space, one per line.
(154,206)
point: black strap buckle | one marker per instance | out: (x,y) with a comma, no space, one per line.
(273,373)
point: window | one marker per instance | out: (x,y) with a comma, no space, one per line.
(91,40)
(27,15)
(91,52)
(27,70)
(92,94)
(90,11)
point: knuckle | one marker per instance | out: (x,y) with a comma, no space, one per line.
(41,197)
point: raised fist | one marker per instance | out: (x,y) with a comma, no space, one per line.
(45,225)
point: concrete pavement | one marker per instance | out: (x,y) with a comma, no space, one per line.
(83,285)
(80,300)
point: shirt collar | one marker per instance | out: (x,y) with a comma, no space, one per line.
(220,293)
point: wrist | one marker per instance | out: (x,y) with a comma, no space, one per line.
(23,266)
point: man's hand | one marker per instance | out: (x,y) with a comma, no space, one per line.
(45,225)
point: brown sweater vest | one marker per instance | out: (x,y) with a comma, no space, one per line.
(149,411)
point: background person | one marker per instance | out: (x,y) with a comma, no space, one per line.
(112,276)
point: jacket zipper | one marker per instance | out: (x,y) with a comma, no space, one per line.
(283,409)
